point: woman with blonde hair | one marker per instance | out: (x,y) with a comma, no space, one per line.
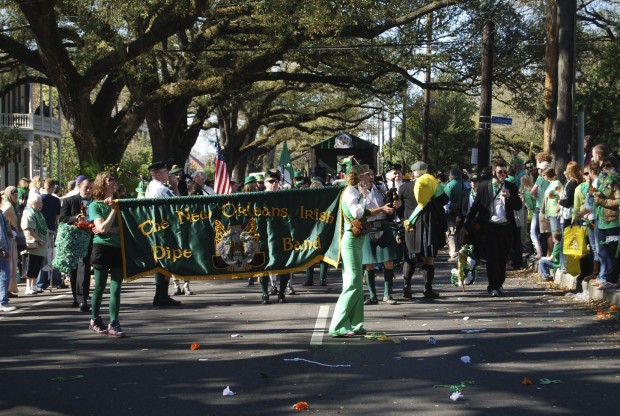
(9,210)
(35,229)
(348,317)
(35,186)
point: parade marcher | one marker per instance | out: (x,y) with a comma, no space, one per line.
(493,211)
(272,183)
(380,245)
(348,317)
(106,254)
(157,189)
(75,208)
(174,183)
(428,237)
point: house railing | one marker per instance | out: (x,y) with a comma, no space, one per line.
(30,122)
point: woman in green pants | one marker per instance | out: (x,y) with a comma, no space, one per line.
(348,318)
(106,256)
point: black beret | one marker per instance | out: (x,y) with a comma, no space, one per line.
(158,166)
(274,174)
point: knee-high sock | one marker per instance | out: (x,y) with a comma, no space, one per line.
(264,285)
(284,278)
(323,272)
(388,276)
(428,273)
(370,282)
(408,271)
(310,274)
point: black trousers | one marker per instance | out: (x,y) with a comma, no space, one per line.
(497,244)
(80,279)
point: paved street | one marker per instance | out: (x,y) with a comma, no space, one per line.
(276,355)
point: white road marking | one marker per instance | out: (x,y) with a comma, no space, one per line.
(319,326)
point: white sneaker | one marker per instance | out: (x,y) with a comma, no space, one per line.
(187,290)
(7,308)
(30,292)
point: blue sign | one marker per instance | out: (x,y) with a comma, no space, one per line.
(501,120)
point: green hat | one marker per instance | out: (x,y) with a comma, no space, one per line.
(516,161)
(298,174)
(259,177)
(511,179)
(249,179)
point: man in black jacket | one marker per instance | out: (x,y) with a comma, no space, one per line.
(75,208)
(492,214)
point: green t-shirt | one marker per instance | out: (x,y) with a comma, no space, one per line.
(97,209)
(542,187)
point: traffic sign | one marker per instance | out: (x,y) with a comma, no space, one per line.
(501,120)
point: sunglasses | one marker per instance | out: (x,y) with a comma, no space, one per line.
(608,165)
(586,173)
(271,181)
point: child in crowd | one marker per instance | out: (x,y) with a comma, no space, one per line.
(547,264)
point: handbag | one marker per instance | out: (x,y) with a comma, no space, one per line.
(31,243)
(575,241)
(544,223)
(359,227)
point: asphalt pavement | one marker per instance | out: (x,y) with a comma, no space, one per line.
(533,351)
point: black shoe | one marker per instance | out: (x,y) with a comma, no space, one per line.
(75,304)
(62,286)
(281,300)
(430,294)
(84,307)
(13,295)
(266,300)
(166,302)
(323,282)
(273,291)
(370,301)
(407,295)
(308,283)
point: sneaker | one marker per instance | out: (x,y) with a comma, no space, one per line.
(97,325)
(115,330)
(266,300)
(370,301)
(389,300)
(494,294)
(7,308)
(177,291)
(607,285)
(290,291)
(30,292)
(250,281)
(501,290)
(187,290)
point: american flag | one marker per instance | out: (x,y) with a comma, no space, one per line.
(221,181)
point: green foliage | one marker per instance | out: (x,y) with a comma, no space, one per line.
(10,144)
(452,132)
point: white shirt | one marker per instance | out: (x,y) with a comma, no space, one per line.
(156,189)
(355,202)
(375,199)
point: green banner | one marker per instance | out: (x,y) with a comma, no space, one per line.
(230,236)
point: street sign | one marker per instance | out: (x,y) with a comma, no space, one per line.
(501,120)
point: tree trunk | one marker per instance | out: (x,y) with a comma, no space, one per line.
(566,81)
(551,71)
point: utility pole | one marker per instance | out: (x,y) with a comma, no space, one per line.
(484,126)
(567,17)
(427,91)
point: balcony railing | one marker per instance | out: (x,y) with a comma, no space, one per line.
(30,122)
